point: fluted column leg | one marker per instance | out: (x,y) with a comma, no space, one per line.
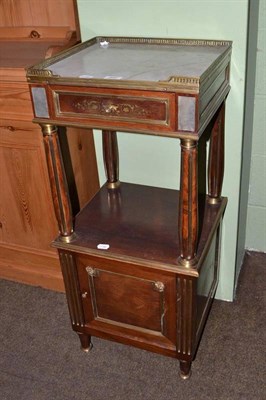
(111,158)
(216,158)
(188,207)
(58,182)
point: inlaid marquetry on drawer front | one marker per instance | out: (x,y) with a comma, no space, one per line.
(115,106)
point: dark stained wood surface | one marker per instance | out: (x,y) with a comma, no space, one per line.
(115,109)
(110,156)
(134,305)
(188,210)
(136,221)
(216,156)
(58,182)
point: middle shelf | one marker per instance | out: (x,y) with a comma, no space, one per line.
(139,224)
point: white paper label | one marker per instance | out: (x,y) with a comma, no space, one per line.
(103,246)
(104,44)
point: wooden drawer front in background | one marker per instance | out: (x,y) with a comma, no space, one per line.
(25,201)
(15,102)
(20,133)
(115,107)
(142,303)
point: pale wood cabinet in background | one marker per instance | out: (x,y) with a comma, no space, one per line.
(30,31)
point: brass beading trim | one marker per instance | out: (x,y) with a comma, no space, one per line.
(188,263)
(68,239)
(214,200)
(113,185)
(188,144)
(163,41)
(48,129)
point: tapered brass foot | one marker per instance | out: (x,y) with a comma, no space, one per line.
(87,349)
(185,376)
(85,341)
(185,370)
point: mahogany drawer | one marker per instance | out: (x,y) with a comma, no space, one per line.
(114,108)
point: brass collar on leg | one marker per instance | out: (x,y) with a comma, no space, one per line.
(113,185)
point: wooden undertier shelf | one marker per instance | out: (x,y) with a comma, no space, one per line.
(139,223)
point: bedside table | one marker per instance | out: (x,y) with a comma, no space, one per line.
(140,263)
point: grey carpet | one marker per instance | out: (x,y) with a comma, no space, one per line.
(40,357)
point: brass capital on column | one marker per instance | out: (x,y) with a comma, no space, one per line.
(188,144)
(48,129)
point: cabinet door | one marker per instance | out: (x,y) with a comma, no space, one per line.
(26,213)
(129,303)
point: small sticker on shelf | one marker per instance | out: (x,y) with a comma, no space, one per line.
(104,44)
(103,246)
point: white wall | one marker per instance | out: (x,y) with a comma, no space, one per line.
(206,19)
(256,216)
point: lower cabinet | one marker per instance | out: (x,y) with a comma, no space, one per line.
(133,304)
(151,307)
